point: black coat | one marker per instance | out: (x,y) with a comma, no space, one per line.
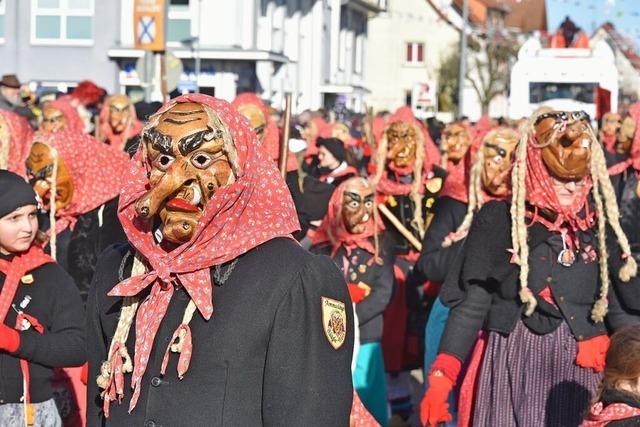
(486,284)
(362,268)
(262,359)
(55,303)
(435,262)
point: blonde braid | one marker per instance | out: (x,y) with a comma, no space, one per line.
(52,205)
(519,232)
(121,334)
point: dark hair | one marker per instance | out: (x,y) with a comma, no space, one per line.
(623,358)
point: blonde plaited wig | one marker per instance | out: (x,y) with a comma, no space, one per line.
(606,209)
(476,191)
(416,186)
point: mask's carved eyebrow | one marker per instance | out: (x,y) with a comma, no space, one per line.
(180,122)
(369,197)
(354,196)
(501,151)
(195,140)
(159,141)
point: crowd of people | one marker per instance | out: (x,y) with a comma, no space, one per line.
(157,267)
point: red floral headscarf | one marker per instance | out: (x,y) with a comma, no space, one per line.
(20,134)
(271,141)
(254,209)
(96,170)
(74,121)
(333,230)
(118,140)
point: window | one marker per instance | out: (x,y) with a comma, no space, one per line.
(414,53)
(3,11)
(66,22)
(179,25)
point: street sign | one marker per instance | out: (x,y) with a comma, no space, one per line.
(149,25)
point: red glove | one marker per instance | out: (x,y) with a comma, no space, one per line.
(434,408)
(592,353)
(9,339)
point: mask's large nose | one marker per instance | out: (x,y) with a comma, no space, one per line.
(149,204)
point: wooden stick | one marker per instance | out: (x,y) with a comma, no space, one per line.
(284,144)
(401,228)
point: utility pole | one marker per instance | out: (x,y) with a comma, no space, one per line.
(463,57)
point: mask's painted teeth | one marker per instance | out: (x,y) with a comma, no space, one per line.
(365,218)
(585,143)
(197,194)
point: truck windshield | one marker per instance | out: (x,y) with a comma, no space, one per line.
(544,91)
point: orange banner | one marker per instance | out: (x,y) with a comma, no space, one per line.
(149,24)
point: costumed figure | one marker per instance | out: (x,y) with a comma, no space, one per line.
(332,162)
(41,316)
(78,179)
(488,180)
(407,183)
(119,126)
(609,131)
(315,128)
(625,175)
(208,216)
(350,234)
(540,277)
(86,98)
(569,36)
(61,115)
(15,139)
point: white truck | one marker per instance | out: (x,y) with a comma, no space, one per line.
(564,79)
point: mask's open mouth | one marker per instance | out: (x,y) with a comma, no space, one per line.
(188,200)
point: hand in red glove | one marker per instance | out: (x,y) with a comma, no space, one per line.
(434,408)
(592,353)
(9,339)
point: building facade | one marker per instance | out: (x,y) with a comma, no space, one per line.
(314,49)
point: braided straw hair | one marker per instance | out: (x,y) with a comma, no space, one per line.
(476,192)
(416,186)
(607,212)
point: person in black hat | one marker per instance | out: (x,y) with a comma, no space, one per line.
(10,98)
(332,162)
(41,314)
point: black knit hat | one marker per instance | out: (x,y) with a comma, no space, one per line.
(15,193)
(335,147)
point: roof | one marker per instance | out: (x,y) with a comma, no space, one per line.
(623,44)
(526,15)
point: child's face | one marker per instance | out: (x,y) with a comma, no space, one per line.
(18,229)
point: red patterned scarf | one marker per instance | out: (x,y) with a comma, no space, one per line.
(118,140)
(634,158)
(19,140)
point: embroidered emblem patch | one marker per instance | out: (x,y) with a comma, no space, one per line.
(334,321)
(27,280)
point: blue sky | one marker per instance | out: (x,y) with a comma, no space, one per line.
(590,14)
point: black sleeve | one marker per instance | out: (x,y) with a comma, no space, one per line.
(624,297)
(96,340)
(307,382)
(63,344)
(435,261)
(381,290)
(111,231)
(484,249)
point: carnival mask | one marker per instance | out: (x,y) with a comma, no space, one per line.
(497,151)
(341,131)
(357,205)
(188,150)
(402,140)
(456,141)
(257,120)
(310,131)
(565,143)
(626,134)
(119,113)
(40,165)
(610,123)
(53,120)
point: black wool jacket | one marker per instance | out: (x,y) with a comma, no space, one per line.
(264,357)
(56,304)
(435,262)
(484,291)
(361,267)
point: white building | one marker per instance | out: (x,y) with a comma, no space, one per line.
(407,44)
(314,49)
